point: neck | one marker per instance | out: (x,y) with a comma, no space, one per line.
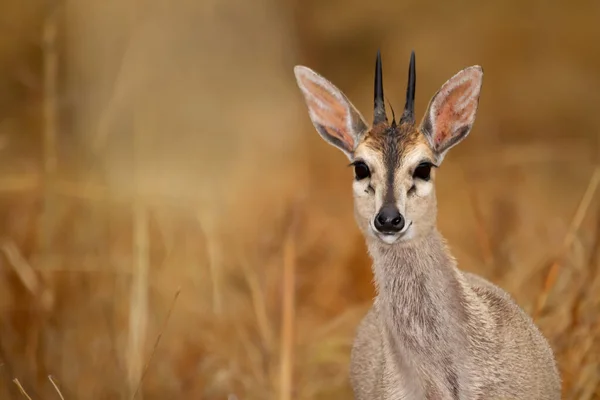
(420,299)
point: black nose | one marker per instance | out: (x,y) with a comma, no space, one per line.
(389,219)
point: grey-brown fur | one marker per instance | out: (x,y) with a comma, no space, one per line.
(391,141)
(433,332)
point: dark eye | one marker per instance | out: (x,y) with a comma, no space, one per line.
(361,171)
(423,171)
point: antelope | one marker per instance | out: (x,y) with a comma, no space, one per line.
(433,331)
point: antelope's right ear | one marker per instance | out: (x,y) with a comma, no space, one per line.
(332,114)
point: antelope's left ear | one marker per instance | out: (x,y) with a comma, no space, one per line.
(451,111)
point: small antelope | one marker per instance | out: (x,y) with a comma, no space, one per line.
(433,332)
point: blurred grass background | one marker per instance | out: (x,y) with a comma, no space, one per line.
(171,225)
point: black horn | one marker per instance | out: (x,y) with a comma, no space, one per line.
(409,108)
(379,112)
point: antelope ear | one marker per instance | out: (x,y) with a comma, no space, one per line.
(332,114)
(451,111)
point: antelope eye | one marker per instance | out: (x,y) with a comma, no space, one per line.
(423,172)
(361,171)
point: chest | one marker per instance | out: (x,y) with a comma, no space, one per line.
(409,376)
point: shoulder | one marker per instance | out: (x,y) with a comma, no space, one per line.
(501,305)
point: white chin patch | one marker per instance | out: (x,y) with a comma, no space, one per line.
(389,239)
(404,235)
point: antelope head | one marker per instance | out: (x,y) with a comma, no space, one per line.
(394,162)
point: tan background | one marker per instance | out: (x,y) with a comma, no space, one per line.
(162,189)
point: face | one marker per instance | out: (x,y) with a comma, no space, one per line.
(394,163)
(393,187)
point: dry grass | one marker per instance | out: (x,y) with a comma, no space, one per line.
(171,226)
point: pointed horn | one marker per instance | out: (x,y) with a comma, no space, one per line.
(409,107)
(379,112)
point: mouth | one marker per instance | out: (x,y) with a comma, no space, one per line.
(391,238)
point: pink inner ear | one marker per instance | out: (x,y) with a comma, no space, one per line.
(455,109)
(330,111)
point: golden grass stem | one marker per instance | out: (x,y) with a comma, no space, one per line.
(215,275)
(21,267)
(589,279)
(259,304)
(56,387)
(580,213)
(21,388)
(157,342)
(50,216)
(214,260)
(288,315)
(138,307)
(582,209)
(26,274)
